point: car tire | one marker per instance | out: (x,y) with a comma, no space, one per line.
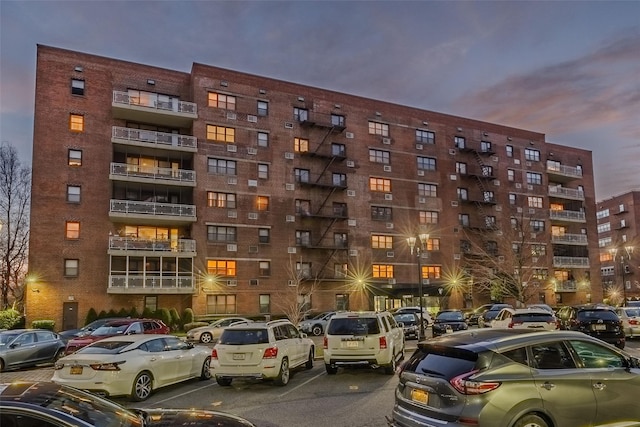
(1,365)
(316,330)
(390,369)
(142,386)
(206,338)
(58,355)
(531,420)
(205,374)
(224,382)
(331,370)
(284,374)
(309,364)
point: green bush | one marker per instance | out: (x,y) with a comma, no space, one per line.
(102,314)
(9,318)
(91,316)
(191,325)
(188,317)
(175,319)
(164,315)
(133,313)
(111,313)
(147,313)
(123,312)
(43,324)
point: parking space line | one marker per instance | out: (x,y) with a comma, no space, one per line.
(183,394)
(304,383)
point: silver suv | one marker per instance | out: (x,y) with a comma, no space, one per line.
(261,350)
(363,338)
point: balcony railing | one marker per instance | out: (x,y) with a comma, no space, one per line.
(153,108)
(570,239)
(567,193)
(566,286)
(152,138)
(117,243)
(569,171)
(150,284)
(183,176)
(570,262)
(574,216)
(126,207)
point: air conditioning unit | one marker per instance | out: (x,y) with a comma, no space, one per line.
(516,161)
(532,211)
(232,214)
(419,146)
(291,283)
(388,196)
(518,185)
(351,193)
(420,173)
(232,180)
(390,254)
(288,155)
(232,148)
(453,177)
(291,250)
(290,187)
(252,151)
(349,135)
(387,168)
(253,215)
(232,283)
(530,187)
(253,249)
(456,256)
(496,182)
(252,182)
(351,164)
(494,159)
(290,218)
(352,222)
(452,151)
(253,282)
(389,225)
(231,116)
(422,200)
(498,208)
(288,125)
(353,252)
(386,141)
(528,163)
(232,247)
(392,281)
(252,118)
(519,209)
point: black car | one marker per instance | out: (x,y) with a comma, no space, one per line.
(484,321)
(599,321)
(473,316)
(448,321)
(410,324)
(86,329)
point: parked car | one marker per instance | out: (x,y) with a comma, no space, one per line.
(484,321)
(87,329)
(426,316)
(211,332)
(517,378)
(133,365)
(600,321)
(410,324)
(542,306)
(363,338)
(448,321)
(20,348)
(474,316)
(630,317)
(316,325)
(261,350)
(525,318)
(118,327)
(47,404)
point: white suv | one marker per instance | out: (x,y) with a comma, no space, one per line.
(363,338)
(261,350)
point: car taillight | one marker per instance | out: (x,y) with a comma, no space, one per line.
(383,343)
(325,343)
(106,366)
(633,322)
(512,324)
(270,353)
(467,387)
(214,353)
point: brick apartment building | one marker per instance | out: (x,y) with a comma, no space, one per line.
(619,241)
(228,193)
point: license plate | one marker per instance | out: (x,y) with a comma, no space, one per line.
(420,396)
(238,356)
(449,331)
(76,370)
(599,327)
(351,344)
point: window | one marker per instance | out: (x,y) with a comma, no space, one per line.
(461,168)
(514,223)
(151,302)
(340,270)
(338,150)
(265,268)
(459,142)
(339,179)
(603,228)
(380,184)
(263,139)
(75,158)
(337,120)
(382,271)
(73,193)
(490,221)
(538,250)
(534,178)
(485,146)
(433,244)
(380,213)
(221,234)
(488,196)
(342,301)
(301,175)
(427,190)
(264,235)
(71,267)
(381,242)
(77,87)
(221,133)
(221,200)
(487,170)
(426,163)
(511,175)
(379,156)
(262,203)
(263,171)
(428,217)
(431,271)
(263,108)
(221,267)
(300,145)
(265,303)
(340,240)
(76,123)
(376,128)
(303,238)
(72,230)
(425,137)
(463,219)
(303,207)
(221,304)
(509,149)
(222,166)
(465,246)
(534,202)
(300,114)
(602,214)
(304,270)
(220,100)
(463,194)
(531,155)
(603,243)
(512,198)
(491,247)
(537,225)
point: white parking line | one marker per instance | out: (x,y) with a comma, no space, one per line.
(304,383)
(183,394)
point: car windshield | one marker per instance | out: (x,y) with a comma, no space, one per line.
(7,337)
(407,319)
(588,315)
(353,326)
(632,312)
(244,336)
(450,315)
(104,347)
(111,329)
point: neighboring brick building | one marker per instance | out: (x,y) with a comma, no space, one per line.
(222,191)
(619,241)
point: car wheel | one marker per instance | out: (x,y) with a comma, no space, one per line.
(316,330)
(309,364)
(284,374)
(331,370)
(142,386)
(224,382)
(205,374)
(390,369)
(531,420)
(1,365)
(58,355)
(206,338)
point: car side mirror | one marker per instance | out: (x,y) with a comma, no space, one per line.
(303,335)
(14,345)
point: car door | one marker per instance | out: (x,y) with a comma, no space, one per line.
(23,350)
(502,319)
(297,345)
(47,344)
(397,334)
(176,353)
(284,343)
(158,361)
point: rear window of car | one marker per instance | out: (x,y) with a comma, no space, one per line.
(450,315)
(587,315)
(632,312)
(441,362)
(407,319)
(533,317)
(104,347)
(244,336)
(353,326)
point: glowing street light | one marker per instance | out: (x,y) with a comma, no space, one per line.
(420,245)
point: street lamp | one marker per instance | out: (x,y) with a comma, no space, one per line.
(628,250)
(420,245)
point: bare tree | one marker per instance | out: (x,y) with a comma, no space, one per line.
(294,299)
(15,186)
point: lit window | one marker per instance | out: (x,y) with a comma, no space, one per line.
(75,158)
(262,203)
(73,194)
(300,145)
(72,230)
(382,271)
(263,108)
(433,244)
(76,123)
(219,100)
(379,156)
(221,200)
(425,137)
(71,267)
(376,128)
(428,217)
(221,133)
(380,184)
(431,272)
(381,242)
(225,268)
(77,87)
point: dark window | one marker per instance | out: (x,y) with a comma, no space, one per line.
(77,87)
(443,362)
(354,326)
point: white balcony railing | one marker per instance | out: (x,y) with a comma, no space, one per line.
(570,239)
(570,262)
(153,173)
(152,102)
(562,215)
(564,170)
(151,283)
(161,139)
(568,193)
(566,286)
(154,245)
(152,208)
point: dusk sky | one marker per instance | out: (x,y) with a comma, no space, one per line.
(568,69)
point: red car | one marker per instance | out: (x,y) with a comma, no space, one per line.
(118,327)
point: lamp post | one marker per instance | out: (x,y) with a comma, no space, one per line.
(628,250)
(420,245)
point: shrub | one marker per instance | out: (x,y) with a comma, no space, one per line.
(147,313)
(102,314)
(133,313)
(191,325)
(91,316)
(9,318)
(175,319)
(187,317)
(123,312)
(164,315)
(43,324)
(111,313)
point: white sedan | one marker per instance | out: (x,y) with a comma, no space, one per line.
(133,365)
(525,318)
(212,331)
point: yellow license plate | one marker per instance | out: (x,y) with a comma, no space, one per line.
(76,370)
(352,344)
(420,396)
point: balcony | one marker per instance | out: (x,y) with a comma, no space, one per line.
(566,193)
(570,262)
(153,108)
(324,120)
(156,175)
(565,286)
(567,216)
(123,245)
(152,139)
(562,173)
(150,284)
(152,212)
(570,239)
(326,182)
